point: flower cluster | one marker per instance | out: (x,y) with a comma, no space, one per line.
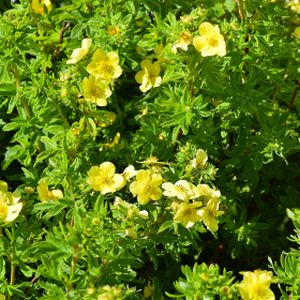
(190,203)
(103,69)
(194,203)
(256,285)
(210,42)
(10,206)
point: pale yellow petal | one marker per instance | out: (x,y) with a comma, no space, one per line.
(113,57)
(106,189)
(200,43)
(146,84)
(119,181)
(156,81)
(143,198)
(129,172)
(117,72)
(76,56)
(139,76)
(222,48)
(155,70)
(13,211)
(206,28)
(99,55)
(108,169)
(86,44)
(134,188)
(146,64)
(156,194)
(213,204)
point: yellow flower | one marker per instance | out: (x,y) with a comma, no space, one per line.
(10,206)
(95,91)
(113,30)
(297,32)
(210,42)
(183,42)
(130,209)
(187,213)
(149,76)
(187,19)
(294,5)
(38,6)
(182,189)
(79,53)
(146,186)
(209,214)
(256,285)
(45,194)
(105,66)
(200,160)
(205,192)
(104,179)
(129,172)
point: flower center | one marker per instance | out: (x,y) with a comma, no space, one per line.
(187,211)
(94,91)
(213,42)
(3,211)
(107,68)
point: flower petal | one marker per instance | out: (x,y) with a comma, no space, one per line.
(207,28)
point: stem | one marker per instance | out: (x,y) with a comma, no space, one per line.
(12,273)
(294,96)
(61,114)
(73,265)
(12,277)
(18,85)
(240,9)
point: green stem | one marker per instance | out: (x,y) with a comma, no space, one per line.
(12,274)
(22,99)
(61,114)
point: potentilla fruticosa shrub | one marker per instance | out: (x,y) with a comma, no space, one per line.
(149,149)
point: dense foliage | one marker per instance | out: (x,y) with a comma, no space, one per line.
(149,149)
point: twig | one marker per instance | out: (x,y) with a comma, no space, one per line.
(294,96)
(240,9)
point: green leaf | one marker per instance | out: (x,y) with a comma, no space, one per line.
(165,226)
(230,5)
(7,89)
(56,129)
(258,161)
(11,154)
(45,154)
(11,126)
